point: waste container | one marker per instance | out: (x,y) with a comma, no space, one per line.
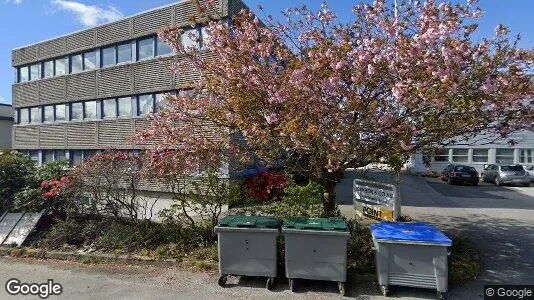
(316,249)
(410,254)
(248,247)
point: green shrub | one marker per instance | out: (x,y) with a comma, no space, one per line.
(360,253)
(52,170)
(298,201)
(111,234)
(198,201)
(465,261)
(48,191)
(16,173)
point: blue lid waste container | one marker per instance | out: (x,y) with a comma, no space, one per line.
(411,254)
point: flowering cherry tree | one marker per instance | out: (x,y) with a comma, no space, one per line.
(320,96)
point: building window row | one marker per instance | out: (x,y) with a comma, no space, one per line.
(122,107)
(136,50)
(75,157)
(482,156)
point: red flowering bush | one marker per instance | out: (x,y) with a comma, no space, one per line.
(54,187)
(266,186)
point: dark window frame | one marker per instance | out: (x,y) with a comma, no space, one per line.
(137,48)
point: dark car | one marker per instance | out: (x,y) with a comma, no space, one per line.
(460,174)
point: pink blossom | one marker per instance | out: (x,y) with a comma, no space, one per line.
(501,30)
(271,118)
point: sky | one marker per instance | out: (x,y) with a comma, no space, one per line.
(24,22)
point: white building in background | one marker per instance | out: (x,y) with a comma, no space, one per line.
(6,125)
(478,152)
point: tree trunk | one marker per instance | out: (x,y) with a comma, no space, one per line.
(329,198)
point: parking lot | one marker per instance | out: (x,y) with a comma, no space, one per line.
(499,219)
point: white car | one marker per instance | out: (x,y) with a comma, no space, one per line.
(530,171)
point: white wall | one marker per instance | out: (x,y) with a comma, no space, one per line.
(524,140)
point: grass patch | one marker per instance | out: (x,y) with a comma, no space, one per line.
(465,261)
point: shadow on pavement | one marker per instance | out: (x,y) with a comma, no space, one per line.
(507,246)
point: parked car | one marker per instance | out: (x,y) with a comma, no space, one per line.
(530,171)
(506,174)
(460,174)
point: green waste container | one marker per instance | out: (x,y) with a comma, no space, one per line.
(316,249)
(248,247)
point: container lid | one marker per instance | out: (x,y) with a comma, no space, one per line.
(249,221)
(416,232)
(331,224)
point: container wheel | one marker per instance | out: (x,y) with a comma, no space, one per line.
(385,290)
(292,285)
(442,295)
(222,280)
(341,286)
(270,283)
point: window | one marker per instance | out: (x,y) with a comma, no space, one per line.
(146,104)
(161,102)
(61,66)
(145,48)
(512,168)
(76,157)
(49,113)
(24,74)
(61,114)
(90,110)
(35,72)
(76,63)
(34,156)
(504,156)
(48,69)
(76,111)
(24,116)
(526,156)
(48,156)
(441,155)
(89,60)
(163,48)
(190,39)
(34,115)
(108,57)
(110,108)
(60,155)
(206,38)
(124,53)
(480,155)
(88,153)
(460,155)
(125,107)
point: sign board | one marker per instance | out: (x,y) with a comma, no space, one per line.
(22,229)
(8,222)
(375,200)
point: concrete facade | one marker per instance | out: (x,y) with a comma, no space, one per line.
(91,90)
(6,125)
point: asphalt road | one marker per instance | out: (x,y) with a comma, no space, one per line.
(500,220)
